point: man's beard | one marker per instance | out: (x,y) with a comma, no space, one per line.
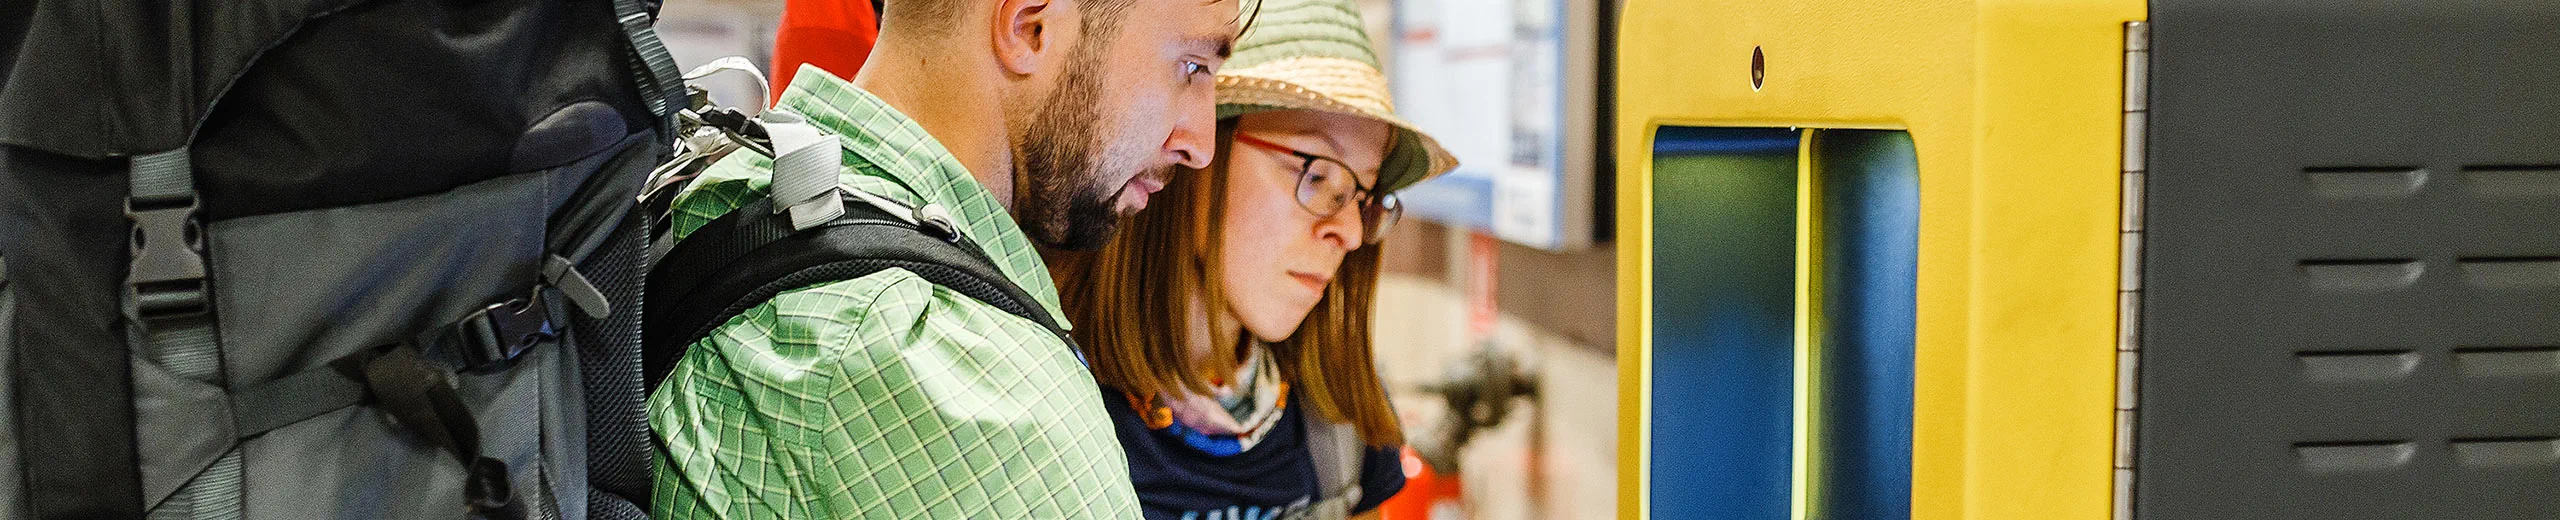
(1062,166)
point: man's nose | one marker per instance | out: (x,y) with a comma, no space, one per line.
(1195,126)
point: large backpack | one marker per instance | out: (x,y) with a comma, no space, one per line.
(300,259)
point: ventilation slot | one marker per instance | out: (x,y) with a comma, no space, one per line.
(2361,275)
(2338,457)
(2508,361)
(2350,366)
(2364,182)
(2541,272)
(2513,181)
(2507,452)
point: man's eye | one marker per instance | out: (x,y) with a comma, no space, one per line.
(1192,67)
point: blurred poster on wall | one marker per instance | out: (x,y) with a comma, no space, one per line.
(1511,88)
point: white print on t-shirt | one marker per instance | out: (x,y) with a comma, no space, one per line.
(1295,510)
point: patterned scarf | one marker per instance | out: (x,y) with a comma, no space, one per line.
(1235,417)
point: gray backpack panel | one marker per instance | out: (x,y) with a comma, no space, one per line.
(416,293)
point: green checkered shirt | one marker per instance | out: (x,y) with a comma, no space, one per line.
(884,396)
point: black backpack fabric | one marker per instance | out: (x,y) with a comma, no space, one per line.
(325,258)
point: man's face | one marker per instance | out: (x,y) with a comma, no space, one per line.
(1134,102)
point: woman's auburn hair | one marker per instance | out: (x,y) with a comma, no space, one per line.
(1129,303)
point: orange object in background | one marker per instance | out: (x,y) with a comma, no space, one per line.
(833,34)
(1427,494)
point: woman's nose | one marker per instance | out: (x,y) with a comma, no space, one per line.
(1342,229)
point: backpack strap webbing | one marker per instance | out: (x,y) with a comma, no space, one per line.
(1336,450)
(652,67)
(171,300)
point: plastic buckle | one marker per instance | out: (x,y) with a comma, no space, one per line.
(495,335)
(167,273)
(937,223)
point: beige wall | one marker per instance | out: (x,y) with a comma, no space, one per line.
(1556,458)
(1557,455)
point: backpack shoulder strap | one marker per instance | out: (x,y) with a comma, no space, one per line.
(652,67)
(741,259)
(1336,449)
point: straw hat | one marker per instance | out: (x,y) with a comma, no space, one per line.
(1313,55)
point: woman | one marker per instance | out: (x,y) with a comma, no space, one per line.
(1230,324)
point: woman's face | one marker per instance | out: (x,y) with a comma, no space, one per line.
(1278,255)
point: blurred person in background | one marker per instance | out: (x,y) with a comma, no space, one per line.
(830,34)
(1230,327)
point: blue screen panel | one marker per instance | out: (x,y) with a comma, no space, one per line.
(1870,217)
(1724,234)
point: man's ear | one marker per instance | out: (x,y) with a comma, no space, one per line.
(1028,33)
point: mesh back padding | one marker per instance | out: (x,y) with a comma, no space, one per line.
(609,360)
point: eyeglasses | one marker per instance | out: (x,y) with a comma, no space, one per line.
(1326,186)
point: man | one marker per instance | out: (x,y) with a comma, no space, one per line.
(887,396)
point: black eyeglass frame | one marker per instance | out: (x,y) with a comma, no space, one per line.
(1379,212)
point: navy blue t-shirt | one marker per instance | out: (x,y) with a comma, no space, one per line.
(1176,481)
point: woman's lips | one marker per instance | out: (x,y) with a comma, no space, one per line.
(1311,280)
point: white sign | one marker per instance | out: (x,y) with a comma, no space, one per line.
(1492,85)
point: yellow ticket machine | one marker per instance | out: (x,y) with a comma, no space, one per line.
(1868,257)
(2080,259)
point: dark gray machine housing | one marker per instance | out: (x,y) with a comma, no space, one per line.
(2352,261)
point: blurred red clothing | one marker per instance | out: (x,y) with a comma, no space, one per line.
(833,34)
